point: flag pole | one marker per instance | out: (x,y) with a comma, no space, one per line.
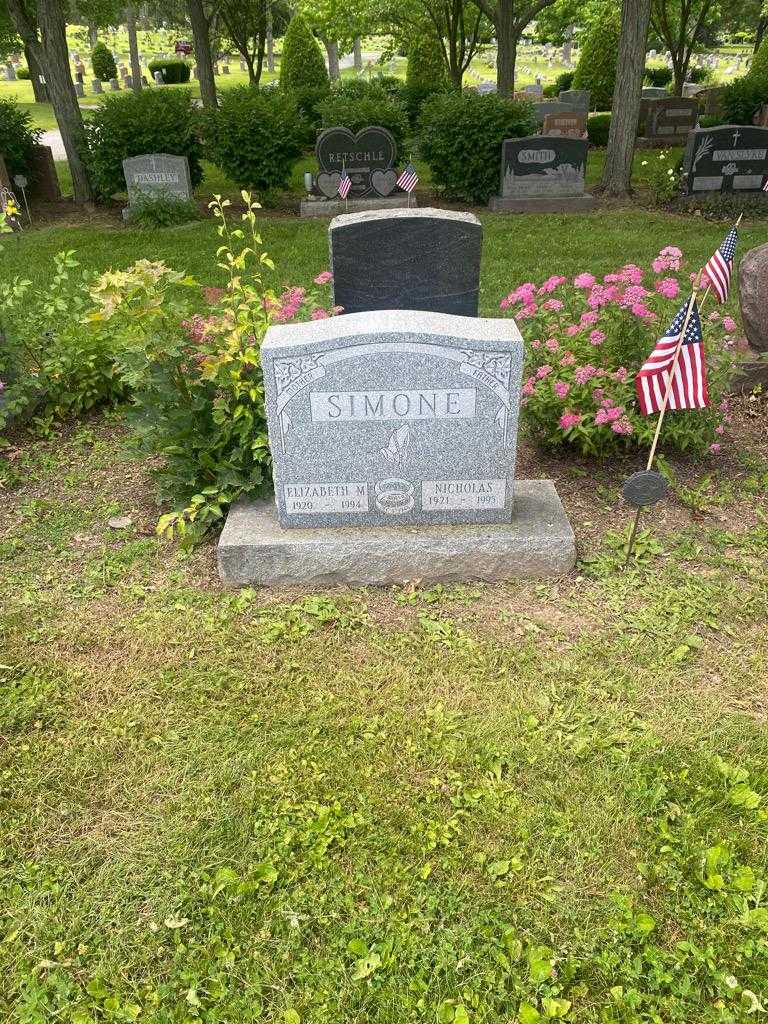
(665,402)
(662,411)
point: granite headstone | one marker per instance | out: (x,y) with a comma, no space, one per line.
(543,166)
(578,98)
(572,126)
(157,176)
(423,259)
(753,296)
(669,120)
(400,418)
(369,158)
(728,158)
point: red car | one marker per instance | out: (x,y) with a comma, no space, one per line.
(184,46)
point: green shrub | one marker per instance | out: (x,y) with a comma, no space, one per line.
(598,127)
(742,98)
(23,74)
(196,384)
(302,65)
(700,76)
(152,121)
(564,81)
(52,364)
(425,74)
(709,121)
(360,113)
(17,136)
(255,137)
(460,137)
(103,63)
(758,69)
(162,212)
(596,69)
(174,72)
(658,77)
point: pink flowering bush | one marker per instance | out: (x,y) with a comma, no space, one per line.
(587,338)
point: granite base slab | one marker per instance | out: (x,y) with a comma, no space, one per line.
(333,207)
(541,204)
(539,543)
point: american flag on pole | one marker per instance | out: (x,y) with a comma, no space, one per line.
(720,266)
(689,376)
(409,179)
(345,183)
(765,186)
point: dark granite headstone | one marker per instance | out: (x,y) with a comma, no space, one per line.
(406,259)
(670,119)
(548,107)
(729,158)
(369,158)
(578,98)
(543,166)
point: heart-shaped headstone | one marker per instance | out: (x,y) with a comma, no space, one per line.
(384,182)
(328,184)
(371,149)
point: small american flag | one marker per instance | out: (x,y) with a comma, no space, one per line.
(720,266)
(345,184)
(689,379)
(765,186)
(409,179)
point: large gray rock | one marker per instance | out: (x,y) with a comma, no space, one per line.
(538,542)
(393,418)
(753,296)
(424,259)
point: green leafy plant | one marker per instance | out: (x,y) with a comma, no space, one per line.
(163,212)
(50,365)
(742,98)
(425,72)
(174,71)
(596,69)
(17,136)
(302,65)
(588,339)
(152,121)
(255,137)
(103,63)
(196,384)
(598,129)
(758,69)
(373,109)
(658,77)
(660,176)
(23,74)
(460,136)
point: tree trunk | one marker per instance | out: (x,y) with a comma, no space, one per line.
(506,38)
(93,34)
(270,40)
(133,46)
(332,49)
(35,71)
(51,53)
(202,41)
(617,172)
(762,25)
(357,49)
(680,63)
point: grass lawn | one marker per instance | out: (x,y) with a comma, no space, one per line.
(415,805)
(455,805)
(516,248)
